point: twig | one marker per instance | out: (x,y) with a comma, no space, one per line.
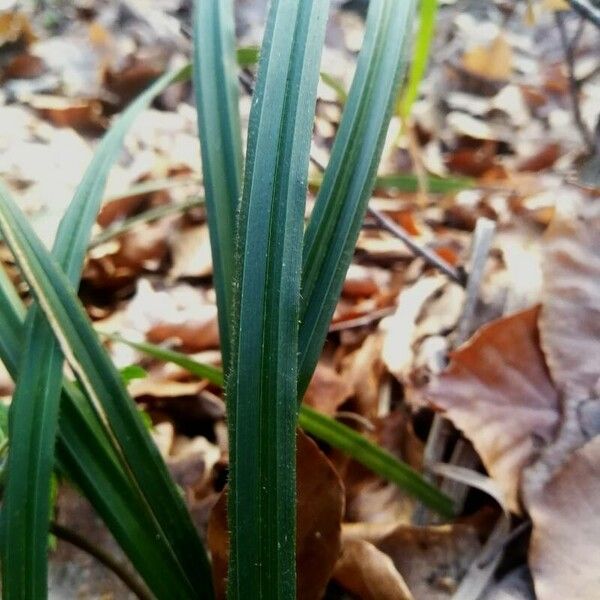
(431,257)
(363,320)
(103,557)
(441,428)
(569,52)
(587,10)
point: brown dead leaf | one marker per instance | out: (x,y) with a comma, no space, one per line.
(66,112)
(432,560)
(327,390)
(320,510)
(15,27)
(24,66)
(497,390)
(191,253)
(363,370)
(564,556)
(493,62)
(368,573)
(570,315)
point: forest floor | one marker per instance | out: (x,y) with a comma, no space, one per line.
(471,354)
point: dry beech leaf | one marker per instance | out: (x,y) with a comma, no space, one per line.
(191,253)
(432,560)
(400,329)
(490,62)
(498,392)
(564,557)
(368,573)
(327,390)
(363,370)
(320,511)
(570,315)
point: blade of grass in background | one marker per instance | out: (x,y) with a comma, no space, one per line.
(34,410)
(348,180)
(375,458)
(84,455)
(262,384)
(427,16)
(216,88)
(323,428)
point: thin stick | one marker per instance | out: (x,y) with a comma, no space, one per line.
(441,428)
(103,557)
(569,52)
(431,257)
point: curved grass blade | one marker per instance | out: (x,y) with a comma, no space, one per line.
(34,411)
(375,458)
(262,387)
(348,180)
(216,88)
(325,429)
(103,384)
(427,14)
(85,456)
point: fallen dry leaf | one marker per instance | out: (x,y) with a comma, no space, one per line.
(498,392)
(493,62)
(564,557)
(399,329)
(570,315)
(327,389)
(363,369)
(368,573)
(432,560)
(191,254)
(320,510)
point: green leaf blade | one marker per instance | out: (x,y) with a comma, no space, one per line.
(34,412)
(85,456)
(217,99)
(375,458)
(103,384)
(261,388)
(348,180)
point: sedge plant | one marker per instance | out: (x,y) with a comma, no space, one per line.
(277,281)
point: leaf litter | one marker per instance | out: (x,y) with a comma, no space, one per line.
(521,393)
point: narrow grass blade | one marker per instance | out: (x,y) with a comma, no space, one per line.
(375,458)
(261,389)
(200,370)
(85,456)
(427,14)
(348,180)
(103,384)
(216,88)
(327,430)
(407,182)
(34,411)
(336,86)
(158,212)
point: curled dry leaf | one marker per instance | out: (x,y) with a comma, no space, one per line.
(400,328)
(368,573)
(327,390)
(432,560)
(564,556)
(363,370)
(570,315)
(498,392)
(320,510)
(490,62)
